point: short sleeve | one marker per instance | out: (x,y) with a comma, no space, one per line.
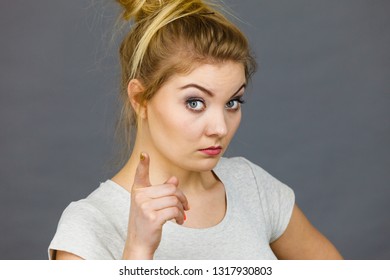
(81,231)
(277,201)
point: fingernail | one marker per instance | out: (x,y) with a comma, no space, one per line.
(185,216)
(141,157)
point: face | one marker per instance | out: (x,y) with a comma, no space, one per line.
(192,118)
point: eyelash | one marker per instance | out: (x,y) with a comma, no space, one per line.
(239,100)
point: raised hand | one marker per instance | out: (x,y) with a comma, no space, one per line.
(151,207)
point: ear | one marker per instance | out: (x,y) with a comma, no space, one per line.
(134,92)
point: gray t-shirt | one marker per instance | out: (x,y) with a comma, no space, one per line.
(258,211)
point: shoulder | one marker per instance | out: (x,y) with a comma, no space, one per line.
(102,205)
(239,162)
(87,222)
(243,172)
(276,199)
(108,198)
(80,213)
(85,215)
(234,164)
(246,170)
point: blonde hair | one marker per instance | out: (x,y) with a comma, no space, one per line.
(169,37)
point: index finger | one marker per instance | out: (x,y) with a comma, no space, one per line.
(141,178)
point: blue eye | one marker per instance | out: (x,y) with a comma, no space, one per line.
(234,104)
(195,105)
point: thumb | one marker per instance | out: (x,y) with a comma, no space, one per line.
(141,178)
(172,180)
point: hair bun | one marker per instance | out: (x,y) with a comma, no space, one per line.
(140,9)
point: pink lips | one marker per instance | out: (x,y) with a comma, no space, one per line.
(212,151)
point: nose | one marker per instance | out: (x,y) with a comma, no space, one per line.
(217,125)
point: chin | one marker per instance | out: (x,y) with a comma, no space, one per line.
(206,164)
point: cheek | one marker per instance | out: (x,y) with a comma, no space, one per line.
(175,123)
(188,127)
(234,123)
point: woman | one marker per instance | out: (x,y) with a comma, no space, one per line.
(184,72)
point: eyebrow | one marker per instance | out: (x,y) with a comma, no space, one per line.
(208,92)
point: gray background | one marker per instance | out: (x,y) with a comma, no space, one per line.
(317,116)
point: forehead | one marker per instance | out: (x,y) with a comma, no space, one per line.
(215,77)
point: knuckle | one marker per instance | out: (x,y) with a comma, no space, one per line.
(144,207)
(135,192)
(171,189)
(152,217)
(174,200)
(134,189)
(175,211)
(137,198)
